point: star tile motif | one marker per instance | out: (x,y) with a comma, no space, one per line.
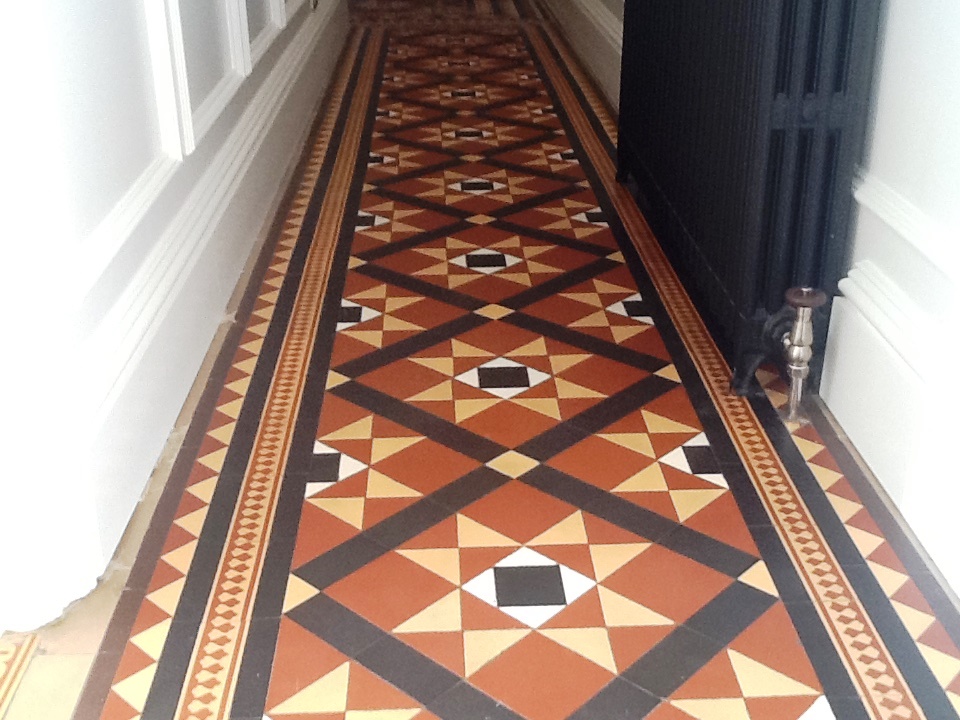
(510,505)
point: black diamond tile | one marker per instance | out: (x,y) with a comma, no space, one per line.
(523,586)
(350,314)
(633,308)
(503,377)
(701,460)
(477,260)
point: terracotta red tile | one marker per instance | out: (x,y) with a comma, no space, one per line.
(667,583)
(117,709)
(773,641)
(716,679)
(366,691)
(584,612)
(426,466)
(629,644)
(779,708)
(301,658)
(163,575)
(389,590)
(936,637)
(132,661)
(721,519)
(319,531)
(540,679)
(600,462)
(864,521)
(509,424)
(575,557)
(478,615)
(909,594)
(445,648)
(886,556)
(675,405)
(518,511)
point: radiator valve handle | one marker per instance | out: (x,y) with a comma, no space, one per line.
(798,342)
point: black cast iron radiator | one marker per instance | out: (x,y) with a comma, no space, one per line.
(741,123)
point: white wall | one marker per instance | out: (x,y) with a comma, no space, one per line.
(889,376)
(594,29)
(147,148)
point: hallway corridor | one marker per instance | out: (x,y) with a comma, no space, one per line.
(473,454)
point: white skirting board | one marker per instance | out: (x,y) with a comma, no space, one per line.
(885,379)
(136,368)
(596,35)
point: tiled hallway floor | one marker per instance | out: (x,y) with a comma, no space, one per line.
(473,454)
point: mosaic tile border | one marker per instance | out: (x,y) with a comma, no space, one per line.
(838,476)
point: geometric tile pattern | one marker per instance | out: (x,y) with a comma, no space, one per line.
(471,460)
(525,359)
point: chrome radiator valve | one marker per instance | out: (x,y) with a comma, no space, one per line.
(798,344)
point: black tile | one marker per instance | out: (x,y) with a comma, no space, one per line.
(526,586)
(341,561)
(333,623)
(503,377)
(730,612)
(324,467)
(402,666)
(563,486)
(410,346)
(619,700)
(407,523)
(672,662)
(470,487)
(701,460)
(421,421)
(350,314)
(634,308)
(465,702)
(708,551)
(486,260)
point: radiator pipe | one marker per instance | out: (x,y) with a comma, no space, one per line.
(798,343)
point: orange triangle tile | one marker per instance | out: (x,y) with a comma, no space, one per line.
(722,520)
(300,659)
(584,612)
(377,509)
(478,615)
(600,531)
(444,648)
(779,708)
(368,692)
(658,502)
(441,535)
(132,661)
(773,641)
(116,708)
(629,644)
(576,557)
(716,679)
(474,560)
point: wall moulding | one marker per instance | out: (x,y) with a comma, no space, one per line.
(927,237)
